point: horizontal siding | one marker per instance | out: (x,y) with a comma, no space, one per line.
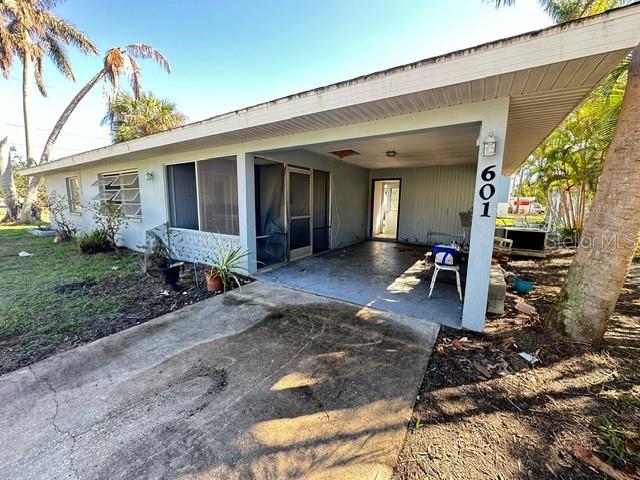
(431,199)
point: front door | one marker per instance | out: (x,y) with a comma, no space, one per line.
(386,207)
(299,209)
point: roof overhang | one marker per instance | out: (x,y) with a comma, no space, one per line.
(545,73)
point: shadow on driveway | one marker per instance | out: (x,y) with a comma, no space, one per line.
(264,383)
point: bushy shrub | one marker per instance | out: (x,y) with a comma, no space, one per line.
(59,210)
(109,218)
(95,241)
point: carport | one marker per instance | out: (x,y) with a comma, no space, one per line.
(382,275)
(354,218)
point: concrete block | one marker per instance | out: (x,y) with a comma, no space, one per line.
(497,284)
(495,306)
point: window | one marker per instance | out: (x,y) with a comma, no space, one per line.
(218,195)
(122,188)
(183,196)
(73,194)
(395,198)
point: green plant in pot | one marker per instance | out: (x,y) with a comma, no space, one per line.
(169,270)
(226,266)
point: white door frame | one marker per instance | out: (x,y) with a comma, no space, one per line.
(307,250)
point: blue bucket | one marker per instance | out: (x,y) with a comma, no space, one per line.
(522,286)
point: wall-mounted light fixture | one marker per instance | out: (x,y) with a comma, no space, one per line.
(489,144)
(148,175)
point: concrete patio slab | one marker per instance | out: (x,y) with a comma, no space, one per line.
(263,383)
(383,275)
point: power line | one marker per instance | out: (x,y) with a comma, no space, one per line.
(20,80)
(62,133)
(16,144)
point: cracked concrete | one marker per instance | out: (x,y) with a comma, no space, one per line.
(56,427)
(263,383)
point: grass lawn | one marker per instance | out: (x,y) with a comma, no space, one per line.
(57,298)
(519,220)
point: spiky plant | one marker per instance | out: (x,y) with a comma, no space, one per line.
(131,117)
(226,262)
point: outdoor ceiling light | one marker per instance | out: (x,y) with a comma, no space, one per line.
(490,145)
(392,153)
(148,175)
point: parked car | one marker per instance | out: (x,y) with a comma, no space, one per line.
(537,208)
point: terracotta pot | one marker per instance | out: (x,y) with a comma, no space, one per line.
(214,280)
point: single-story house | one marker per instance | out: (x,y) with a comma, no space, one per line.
(395,155)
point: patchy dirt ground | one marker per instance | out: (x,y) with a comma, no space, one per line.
(484,413)
(57,299)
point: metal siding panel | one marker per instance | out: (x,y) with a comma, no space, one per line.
(430,199)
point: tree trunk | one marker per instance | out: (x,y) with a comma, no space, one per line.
(599,269)
(26,97)
(44,158)
(30,198)
(35,181)
(7,186)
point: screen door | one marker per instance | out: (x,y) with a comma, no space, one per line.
(299,213)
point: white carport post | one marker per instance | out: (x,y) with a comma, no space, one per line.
(483,221)
(247,208)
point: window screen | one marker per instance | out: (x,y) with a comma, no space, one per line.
(73,194)
(218,195)
(183,201)
(122,188)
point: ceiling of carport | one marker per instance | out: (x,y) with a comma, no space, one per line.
(452,145)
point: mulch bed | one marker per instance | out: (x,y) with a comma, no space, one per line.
(484,412)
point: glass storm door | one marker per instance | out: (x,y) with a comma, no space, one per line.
(299,213)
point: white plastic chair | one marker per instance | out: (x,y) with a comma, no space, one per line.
(444,261)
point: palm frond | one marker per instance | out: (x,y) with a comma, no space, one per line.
(501,3)
(58,55)
(131,117)
(135,76)
(68,33)
(7,49)
(113,67)
(37,73)
(141,50)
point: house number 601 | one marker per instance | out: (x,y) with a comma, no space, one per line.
(487,190)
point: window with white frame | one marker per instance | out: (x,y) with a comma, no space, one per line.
(121,188)
(73,194)
(203,195)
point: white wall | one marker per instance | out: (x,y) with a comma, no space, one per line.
(349,192)
(152,196)
(431,199)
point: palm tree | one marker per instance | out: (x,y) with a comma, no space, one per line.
(33,33)
(131,117)
(117,61)
(598,271)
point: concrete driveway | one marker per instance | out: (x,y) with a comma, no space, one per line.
(264,383)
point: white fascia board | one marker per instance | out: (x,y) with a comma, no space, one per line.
(459,114)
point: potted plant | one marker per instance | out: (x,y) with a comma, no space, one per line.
(225,267)
(170,271)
